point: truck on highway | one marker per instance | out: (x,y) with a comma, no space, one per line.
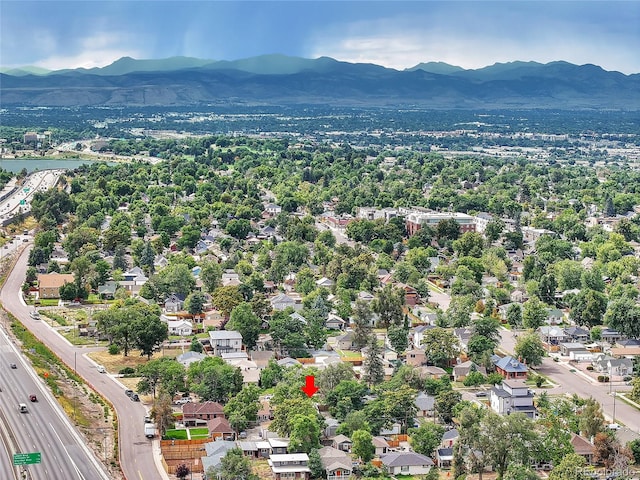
(149,430)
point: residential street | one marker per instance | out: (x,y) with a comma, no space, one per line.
(136,451)
(574,382)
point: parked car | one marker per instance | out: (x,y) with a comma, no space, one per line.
(482,394)
(613,426)
(182,401)
(13,365)
(135,397)
(128,392)
(101,369)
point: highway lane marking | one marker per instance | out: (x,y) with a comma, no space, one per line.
(140,475)
(75,467)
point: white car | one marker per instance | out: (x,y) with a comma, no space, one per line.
(182,401)
(613,426)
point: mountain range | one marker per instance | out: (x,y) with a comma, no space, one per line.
(283,80)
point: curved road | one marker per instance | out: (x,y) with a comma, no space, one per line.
(137,456)
(43,428)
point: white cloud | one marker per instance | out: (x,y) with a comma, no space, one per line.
(96,50)
(402,42)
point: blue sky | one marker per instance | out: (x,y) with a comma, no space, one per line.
(472,34)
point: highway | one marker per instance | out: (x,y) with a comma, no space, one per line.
(137,457)
(19,201)
(44,428)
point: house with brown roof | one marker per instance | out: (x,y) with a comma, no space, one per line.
(193,413)
(220,427)
(49,284)
(583,447)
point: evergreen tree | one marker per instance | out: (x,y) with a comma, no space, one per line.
(372,366)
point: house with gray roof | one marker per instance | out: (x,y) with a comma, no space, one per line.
(407,463)
(463,369)
(225,341)
(510,368)
(337,463)
(512,396)
(425,404)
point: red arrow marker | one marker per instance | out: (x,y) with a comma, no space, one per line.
(310,388)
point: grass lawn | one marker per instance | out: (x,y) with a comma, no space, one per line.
(349,354)
(176,434)
(48,302)
(199,431)
(115,363)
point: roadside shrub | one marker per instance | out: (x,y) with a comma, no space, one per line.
(590,368)
(603,378)
(114,349)
(127,371)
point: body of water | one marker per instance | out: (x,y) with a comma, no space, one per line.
(33,164)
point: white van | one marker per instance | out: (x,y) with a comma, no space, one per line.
(101,369)
(22,408)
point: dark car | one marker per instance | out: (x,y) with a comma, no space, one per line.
(13,365)
(135,397)
(482,394)
(33,398)
(128,392)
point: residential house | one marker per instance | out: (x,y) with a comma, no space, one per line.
(575,351)
(215,453)
(261,357)
(334,322)
(220,428)
(282,301)
(444,457)
(512,396)
(230,278)
(331,427)
(611,336)
(411,296)
(290,466)
(199,413)
(425,405)
(174,303)
(407,463)
(365,296)
(416,357)
(518,296)
(345,341)
(187,358)
(577,334)
(418,334)
(108,290)
(463,335)
(183,328)
(249,449)
(555,316)
(431,371)
(272,209)
(325,282)
(449,438)
(613,366)
(553,335)
(461,370)
(225,341)
(336,463)
(583,447)
(342,442)
(381,445)
(49,284)
(510,367)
